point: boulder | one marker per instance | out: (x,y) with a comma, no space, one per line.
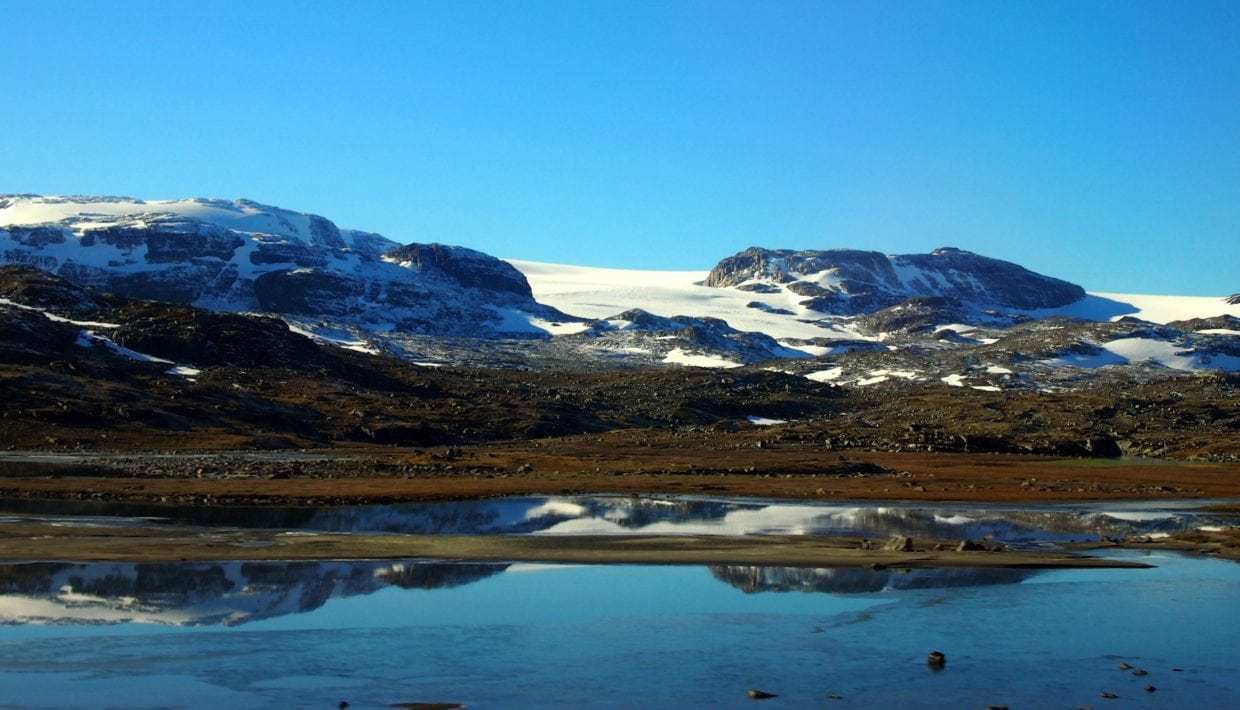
(899,543)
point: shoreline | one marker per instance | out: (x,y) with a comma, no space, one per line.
(387,476)
(28,542)
(370,475)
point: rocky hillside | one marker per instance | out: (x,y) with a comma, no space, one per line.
(85,371)
(848,281)
(108,364)
(848,317)
(243,256)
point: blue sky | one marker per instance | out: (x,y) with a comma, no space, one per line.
(1093,141)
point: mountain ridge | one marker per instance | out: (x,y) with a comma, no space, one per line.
(246,256)
(440,304)
(849,281)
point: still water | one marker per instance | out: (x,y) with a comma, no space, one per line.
(374,633)
(663,515)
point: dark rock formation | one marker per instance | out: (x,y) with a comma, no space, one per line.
(37,288)
(243,256)
(198,337)
(306,292)
(865,281)
(691,334)
(758,305)
(464,267)
(899,543)
(914,315)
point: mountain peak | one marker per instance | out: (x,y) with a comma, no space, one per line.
(242,255)
(850,281)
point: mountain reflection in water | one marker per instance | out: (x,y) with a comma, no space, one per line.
(854,580)
(662,515)
(206,594)
(235,593)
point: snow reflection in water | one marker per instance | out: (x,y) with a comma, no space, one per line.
(630,636)
(235,593)
(231,594)
(619,515)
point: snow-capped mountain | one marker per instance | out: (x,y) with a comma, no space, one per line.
(942,340)
(848,281)
(244,256)
(844,316)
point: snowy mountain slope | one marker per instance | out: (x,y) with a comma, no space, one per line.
(1013,351)
(598,293)
(594,292)
(849,281)
(847,316)
(245,256)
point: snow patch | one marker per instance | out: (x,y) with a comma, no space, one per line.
(826,375)
(677,356)
(593,292)
(87,339)
(335,338)
(1149,350)
(556,507)
(1102,307)
(763,421)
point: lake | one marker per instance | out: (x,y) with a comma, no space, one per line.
(375,633)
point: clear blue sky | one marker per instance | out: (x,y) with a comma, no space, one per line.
(1094,141)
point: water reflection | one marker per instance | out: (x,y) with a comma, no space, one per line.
(206,594)
(671,637)
(235,593)
(852,580)
(620,515)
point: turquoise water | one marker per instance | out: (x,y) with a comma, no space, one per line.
(632,636)
(374,633)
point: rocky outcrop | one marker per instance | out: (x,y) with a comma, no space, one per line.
(464,267)
(1234,299)
(38,289)
(849,281)
(244,256)
(636,328)
(915,315)
(29,338)
(204,338)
